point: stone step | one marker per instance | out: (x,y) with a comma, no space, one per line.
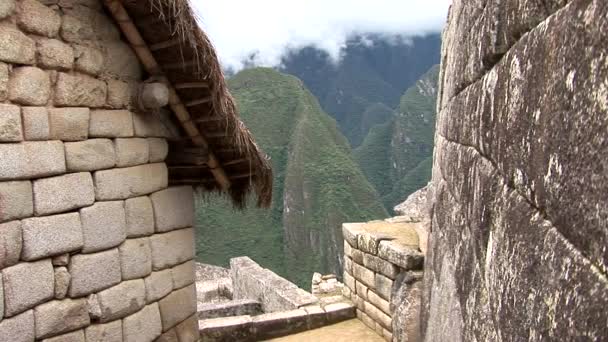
(237,307)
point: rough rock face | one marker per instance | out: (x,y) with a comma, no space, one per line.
(519,217)
(415,206)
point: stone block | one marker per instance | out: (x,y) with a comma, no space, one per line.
(26,285)
(173,208)
(177,306)
(144,325)
(351,231)
(349,281)
(121,300)
(363,275)
(357,256)
(109,332)
(361,290)
(158,149)
(131,151)
(74,336)
(10,123)
(100,24)
(237,307)
(93,272)
(379,302)
(48,236)
(35,123)
(103,226)
(63,193)
(379,265)
(158,284)
(62,282)
(135,258)
(75,30)
(169,336)
(378,316)
(69,124)
(16,200)
(150,125)
(383,286)
(187,331)
(54,54)
(183,275)
(347,249)
(4,78)
(19,328)
(339,312)
(315,316)
(111,123)
(388,336)
(34,17)
(368,321)
(6,8)
(10,246)
(400,255)
(89,61)
(60,316)
(31,159)
(79,91)
(368,241)
(16,47)
(119,94)
(90,155)
(61,260)
(130,182)
(121,62)
(275,324)
(173,248)
(140,216)
(348,264)
(239,328)
(29,86)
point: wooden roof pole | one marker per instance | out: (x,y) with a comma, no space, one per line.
(147,59)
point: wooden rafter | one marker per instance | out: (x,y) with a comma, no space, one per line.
(139,45)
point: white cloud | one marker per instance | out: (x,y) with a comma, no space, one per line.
(268,28)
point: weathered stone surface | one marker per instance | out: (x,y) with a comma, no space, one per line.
(366,319)
(351,232)
(135,258)
(90,155)
(35,123)
(187,331)
(363,275)
(415,206)
(19,328)
(275,324)
(93,272)
(10,245)
(48,236)
(54,54)
(75,336)
(61,260)
(63,193)
(383,286)
(121,62)
(177,306)
(216,329)
(405,305)
(6,8)
(17,47)
(10,123)
(109,332)
(339,312)
(158,284)
(119,94)
(121,300)
(237,307)
(37,18)
(94,21)
(69,124)
(169,336)
(26,285)
(103,226)
(60,316)
(183,275)
(4,78)
(173,208)
(158,149)
(31,159)
(75,30)
(153,95)
(111,123)
(62,282)
(140,216)
(173,248)
(349,281)
(79,91)
(29,86)
(402,256)
(151,125)
(377,264)
(130,182)
(16,200)
(378,316)
(89,60)
(368,242)
(379,302)
(361,290)
(144,325)
(131,152)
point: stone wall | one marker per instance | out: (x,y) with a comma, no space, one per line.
(517,250)
(93,245)
(382,274)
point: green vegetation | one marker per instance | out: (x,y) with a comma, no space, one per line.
(317,186)
(396,156)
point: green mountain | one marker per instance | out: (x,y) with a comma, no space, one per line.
(318,184)
(396,156)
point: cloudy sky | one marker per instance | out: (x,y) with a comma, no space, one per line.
(269,28)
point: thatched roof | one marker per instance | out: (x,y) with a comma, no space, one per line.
(179,51)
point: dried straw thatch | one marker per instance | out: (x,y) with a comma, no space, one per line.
(166,33)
